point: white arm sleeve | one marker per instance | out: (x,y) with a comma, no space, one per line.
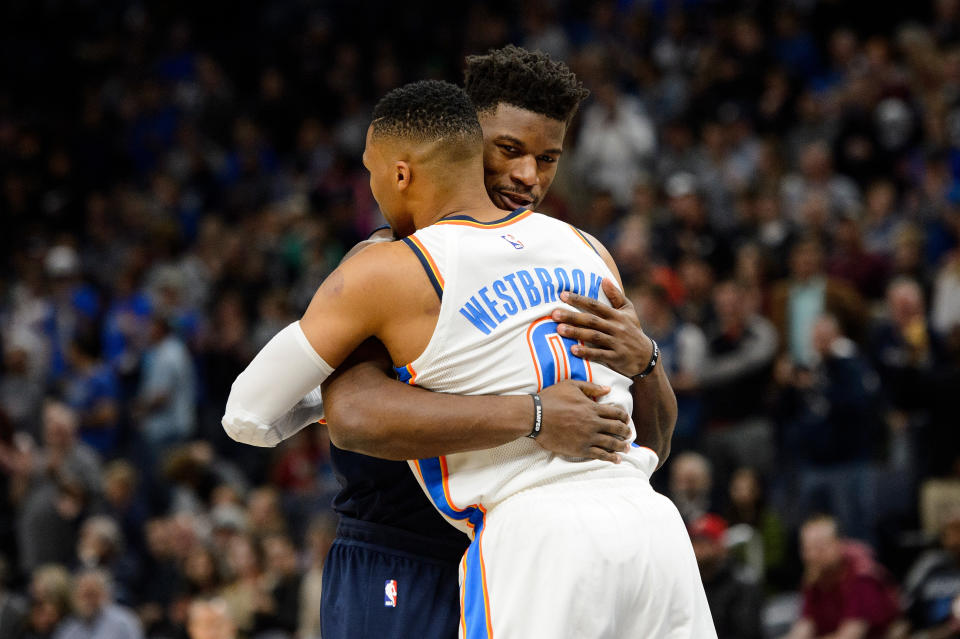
(278,393)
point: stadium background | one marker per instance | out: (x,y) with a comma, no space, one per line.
(176,178)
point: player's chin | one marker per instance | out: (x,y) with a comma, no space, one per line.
(510,202)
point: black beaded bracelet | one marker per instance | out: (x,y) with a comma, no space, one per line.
(537,416)
(653,361)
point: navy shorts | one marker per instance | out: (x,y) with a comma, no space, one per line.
(384,583)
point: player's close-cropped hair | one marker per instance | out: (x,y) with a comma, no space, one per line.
(426,110)
(531,80)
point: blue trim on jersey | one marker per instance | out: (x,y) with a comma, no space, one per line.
(425,263)
(586,240)
(507,218)
(433,479)
(403,374)
(474,601)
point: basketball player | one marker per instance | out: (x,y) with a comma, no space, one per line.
(555,540)
(390,537)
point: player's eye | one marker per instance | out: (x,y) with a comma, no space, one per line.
(509,149)
(549,159)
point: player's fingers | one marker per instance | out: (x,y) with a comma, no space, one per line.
(588,304)
(603,455)
(617,299)
(583,320)
(610,443)
(614,412)
(599,355)
(596,391)
(587,335)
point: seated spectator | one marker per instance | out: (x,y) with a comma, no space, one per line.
(101,545)
(201,572)
(690,484)
(210,619)
(735,598)
(282,581)
(319,538)
(121,502)
(760,530)
(846,593)
(95,615)
(49,601)
(817,175)
(932,587)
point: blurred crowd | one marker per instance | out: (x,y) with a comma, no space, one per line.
(779,183)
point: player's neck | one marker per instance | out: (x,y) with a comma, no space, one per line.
(467,196)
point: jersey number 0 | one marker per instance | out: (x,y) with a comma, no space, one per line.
(552,358)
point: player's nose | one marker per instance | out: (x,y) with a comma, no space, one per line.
(524,171)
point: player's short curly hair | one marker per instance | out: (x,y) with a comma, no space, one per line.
(427,110)
(530,80)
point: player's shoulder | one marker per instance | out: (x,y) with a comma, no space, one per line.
(385,263)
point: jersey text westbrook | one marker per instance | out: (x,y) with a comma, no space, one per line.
(518,291)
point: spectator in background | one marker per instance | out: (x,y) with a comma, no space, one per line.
(735,598)
(50,590)
(201,572)
(73,305)
(688,230)
(945,307)
(904,351)
(95,615)
(319,537)
(846,593)
(120,480)
(690,484)
(210,619)
(756,529)
(816,175)
(64,480)
(165,403)
(615,144)
(830,427)
(796,303)
(741,346)
(21,392)
(282,581)
(13,607)
(682,354)
(101,545)
(932,587)
(91,389)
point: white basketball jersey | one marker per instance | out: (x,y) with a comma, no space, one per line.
(499,282)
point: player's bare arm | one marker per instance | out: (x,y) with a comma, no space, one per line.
(406,422)
(613,335)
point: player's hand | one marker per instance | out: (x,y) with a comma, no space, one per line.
(576,425)
(610,335)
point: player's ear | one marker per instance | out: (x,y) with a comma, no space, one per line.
(402,175)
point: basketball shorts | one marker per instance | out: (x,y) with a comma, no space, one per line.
(383,583)
(586,559)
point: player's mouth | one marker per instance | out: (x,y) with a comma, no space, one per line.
(515,200)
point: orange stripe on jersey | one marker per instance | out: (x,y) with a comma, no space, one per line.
(583,238)
(533,353)
(426,254)
(488,225)
(483,576)
(445,474)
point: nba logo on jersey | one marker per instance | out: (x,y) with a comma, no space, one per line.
(514,242)
(390,593)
